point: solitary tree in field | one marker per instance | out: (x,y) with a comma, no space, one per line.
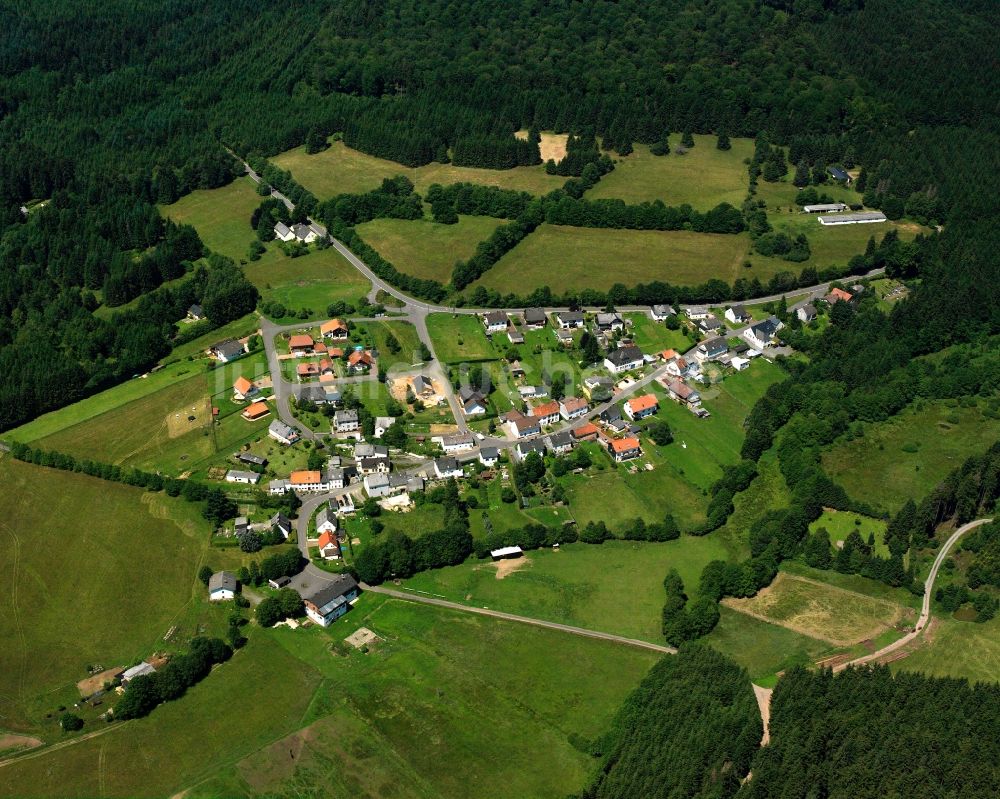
(687,139)
(723,142)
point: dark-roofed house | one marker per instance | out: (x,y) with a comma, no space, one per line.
(569,319)
(683,393)
(763,333)
(609,321)
(525,448)
(247,478)
(738,315)
(521,425)
(495,322)
(280,523)
(710,349)
(196,312)
(562,442)
(446,467)
(345,421)
(838,174)
(710,324)
(473,401)
(250,458)
(535,317)
(282,433)
(221,586)
(422,386)
(488,456)
(326,520)
(805,311)
(661,313)
(330,602)
(515,335)
(228,350)
(623,359)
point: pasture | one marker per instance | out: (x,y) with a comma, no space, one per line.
(614,587)
(459,338)
(840,524)
(221,216)
(702,178)
(906,456)
(653,336)
(69,553)
(341,170)
(310,281)
(819,610)
(426,249)
(952,648)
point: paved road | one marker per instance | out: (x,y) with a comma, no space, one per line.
(925,611)
(496,614)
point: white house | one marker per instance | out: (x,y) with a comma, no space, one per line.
(573,408)
(447,467)
(495,322)
(281,524)
(546,413)
(246,478)
(459,442)
(805,311)
(739,364)
(738,315)
(763,333)
(331,601)
(382,424)
(562,442)
(661,313)
(282,433)
(328,546)
(525,448)
(221,586)
(326,521)
(346,421)
(710,350)
(640,407)
(378,484)
(623,359)
(473,402)
(489,456)
(696,312)
(568,320)
(282,232)
(609,321)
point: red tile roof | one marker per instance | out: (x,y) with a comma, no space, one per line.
(643,403)
(242,385)
(326,539)
(305,477)
(300,341)
(620,445)
(545,409)
(586,430)
(256,410)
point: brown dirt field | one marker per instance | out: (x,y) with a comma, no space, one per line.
(763,696)
(443,429)
(362,637)
(508,566)
(93,684)
(11,741)
(399,385)
(552,146)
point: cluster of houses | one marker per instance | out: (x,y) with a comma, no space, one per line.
(305,233)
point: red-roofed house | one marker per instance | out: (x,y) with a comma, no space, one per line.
(328,546)
(334,329)
(546,413)
(300,344)
(307,369)
(586,432)
(836,295)
(360,361)
(256,411)
(244,389)
(623,449)
(573,407)
(666,355)
(641,407)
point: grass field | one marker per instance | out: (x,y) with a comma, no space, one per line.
(341,170)
(653,336)
(71,552)
(702,178)
(840,524)
(426,249)
(616,587)
(906,456)
(953,648)
(310,281)
(763,649)
(221,216)
(780,196)
(821,611)
(459,338)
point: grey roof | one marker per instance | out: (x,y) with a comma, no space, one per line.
(489,453)
(398,480)
(664,310)
(570,316)
(561,439)
(249,457)
(236,474)
(467,394)
(608,319)
(808,307)
(598,380)
(195,310)
(280,484)
(740,311)
(378,480)
(301,231)
(365,450)
(229,348)
(610,414)
(534,316)
(446,464)
(222,581)
(241,521)
(373,462)
(421,383)
(767,328)
(495,318)
(338,586)
(279,428)
(345,416)
(313,393)
(809,209)
(457,439)
(837,173)
(861,216)
(336,474)
(710,323)
(282,521)
(281,229)
(714,345)
(697,309)
(138,670)
(325,516)
(526,447)
(624,355)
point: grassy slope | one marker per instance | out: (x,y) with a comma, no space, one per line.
(875,468)
(840,524)
(958,649)
(616,587)
(74,555)
(459,338)
(426,249)
(703,178)
(221,216)
(341,170)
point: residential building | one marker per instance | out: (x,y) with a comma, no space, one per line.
(251,459)
(307,370)
(246,478)
(331,601)
(340,476)
(374,465)
(710,324)
(308,480)
(569,320)
(326,520)
(140,670)
(562,442)
(280,486)
(623,449)
(365,450)
(623,359)
(696,312)
(609,415)
(806,313)
(710,349)
(279,582)
(738,315)
(739,364)
(640,407)
(282,232)
(598,388)
(564,337)
(532,392)
(255,411)
(763,333)
(280,523)
(243,389)
(678,367)
(473,401)
(609,322)
(535,318)
(495,322)
(516,336)
(346,421)
(573,408)
(516,370)
(360,361)
(377,484)
(489,456)
(221,586)
(661,313)
(546,413)
(859,218)
(335,330)
(521,426)
(282,433)
(316,394)
(683,393)
(446,467)
(345,503)
(382,424)
(459,442)
(838,295)
(838,174)
(524,448)
(300,344)
(228,350)
(422,386)
(586,432)
(195,313)
(328,546)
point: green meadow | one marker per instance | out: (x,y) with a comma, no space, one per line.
(459,337)
(221,216)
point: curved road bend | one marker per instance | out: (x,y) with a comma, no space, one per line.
(925,611)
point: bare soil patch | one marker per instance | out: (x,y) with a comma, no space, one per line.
(552,146)
(95,683)
(763,696)
(11,741)
(362,637)
(398,387)
(508,566)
